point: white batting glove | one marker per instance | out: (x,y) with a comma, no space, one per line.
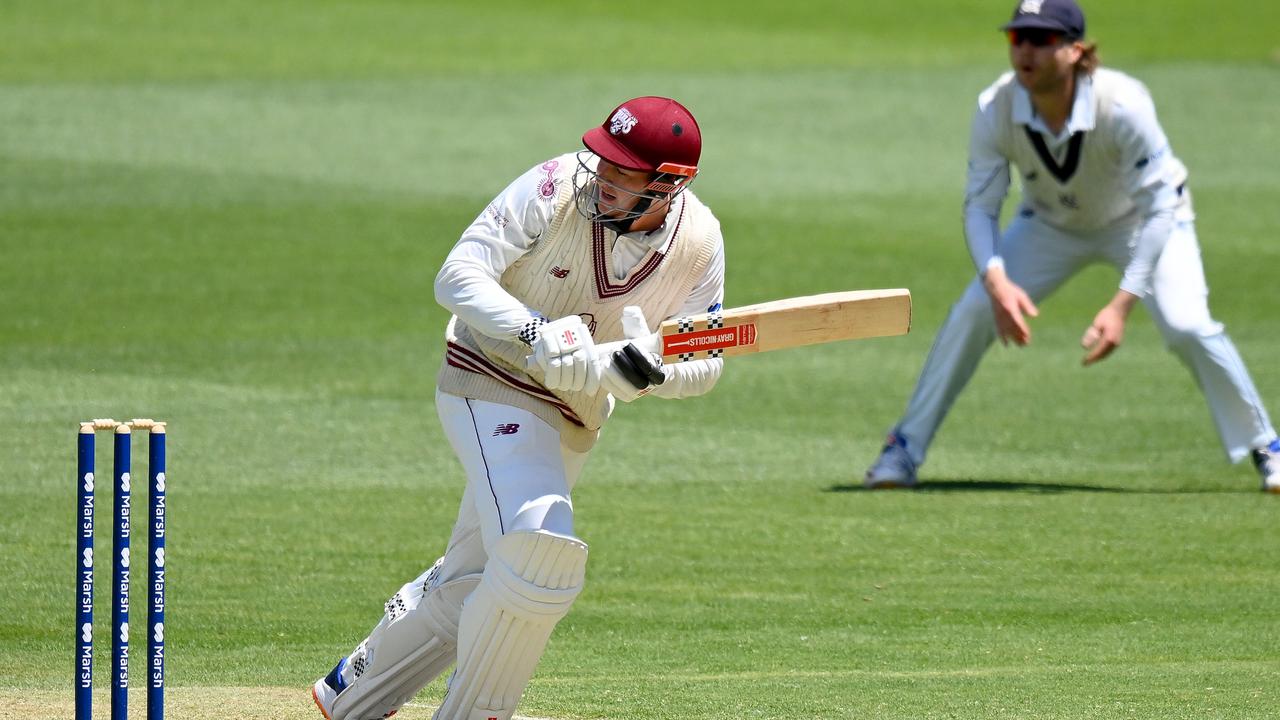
(565,353)
(639,370)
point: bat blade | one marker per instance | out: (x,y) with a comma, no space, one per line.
(793,322)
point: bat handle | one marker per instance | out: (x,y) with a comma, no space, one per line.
(636,329)
(633,323)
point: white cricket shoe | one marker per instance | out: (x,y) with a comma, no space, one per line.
(1267,460)
(894,468)
(325,691)
(324,695)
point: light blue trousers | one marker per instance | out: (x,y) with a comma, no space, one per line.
(1040,258)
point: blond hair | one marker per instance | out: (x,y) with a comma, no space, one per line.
(1088,61)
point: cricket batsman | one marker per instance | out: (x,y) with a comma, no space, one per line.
(1100,184)
(537,353)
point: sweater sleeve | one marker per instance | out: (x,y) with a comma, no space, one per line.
(467,284)
(697,377)
(1153,176)
(987,183)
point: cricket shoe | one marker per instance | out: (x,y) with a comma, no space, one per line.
(894,468)
(1267,460)
(325,691)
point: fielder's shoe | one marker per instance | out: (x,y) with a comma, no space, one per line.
(1267,460)
(894,468)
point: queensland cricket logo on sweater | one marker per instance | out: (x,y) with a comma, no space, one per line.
(622,122)
(547,187)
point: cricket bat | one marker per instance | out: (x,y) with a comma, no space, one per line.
(792,322)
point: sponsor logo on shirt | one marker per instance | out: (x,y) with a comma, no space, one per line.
(497,215)
(559,272)
(1151,158)
(506,429)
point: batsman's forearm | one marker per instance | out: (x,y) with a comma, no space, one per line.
(479,301)
(689,379)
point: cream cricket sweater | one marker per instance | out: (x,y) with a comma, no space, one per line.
(567,272)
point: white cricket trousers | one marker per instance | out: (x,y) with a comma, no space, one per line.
(519,477)
(1040,258)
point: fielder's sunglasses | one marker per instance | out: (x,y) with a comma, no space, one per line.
(1037,37)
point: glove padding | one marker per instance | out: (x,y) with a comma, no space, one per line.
(565,353)
(631,368)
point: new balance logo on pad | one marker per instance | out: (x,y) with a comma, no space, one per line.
(507,429)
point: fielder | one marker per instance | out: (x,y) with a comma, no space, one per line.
(537,286)
(1100,184)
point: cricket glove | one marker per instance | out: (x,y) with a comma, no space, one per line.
(632,367)
(565,353)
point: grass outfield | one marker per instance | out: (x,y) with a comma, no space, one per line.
(229,216)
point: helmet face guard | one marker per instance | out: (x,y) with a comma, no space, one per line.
(668,181)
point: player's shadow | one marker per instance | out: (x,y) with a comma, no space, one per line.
(954,486)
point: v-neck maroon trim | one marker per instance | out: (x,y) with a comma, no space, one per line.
(605,287)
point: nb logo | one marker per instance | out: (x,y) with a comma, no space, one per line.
(506,429)
(1069,201)
(623,121)
(559,272)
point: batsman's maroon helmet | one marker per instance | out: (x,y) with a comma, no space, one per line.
(650,133)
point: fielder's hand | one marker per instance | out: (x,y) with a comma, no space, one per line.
(565,353)
(632,367)
(1107,331)
(1009,304)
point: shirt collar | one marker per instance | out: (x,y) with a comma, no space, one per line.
(1083,109)
(660,239)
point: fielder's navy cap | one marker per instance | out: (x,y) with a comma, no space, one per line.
(1063,16)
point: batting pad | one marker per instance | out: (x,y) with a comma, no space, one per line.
(530,581)
(415,641)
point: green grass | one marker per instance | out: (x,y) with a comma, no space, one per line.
(229,216)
